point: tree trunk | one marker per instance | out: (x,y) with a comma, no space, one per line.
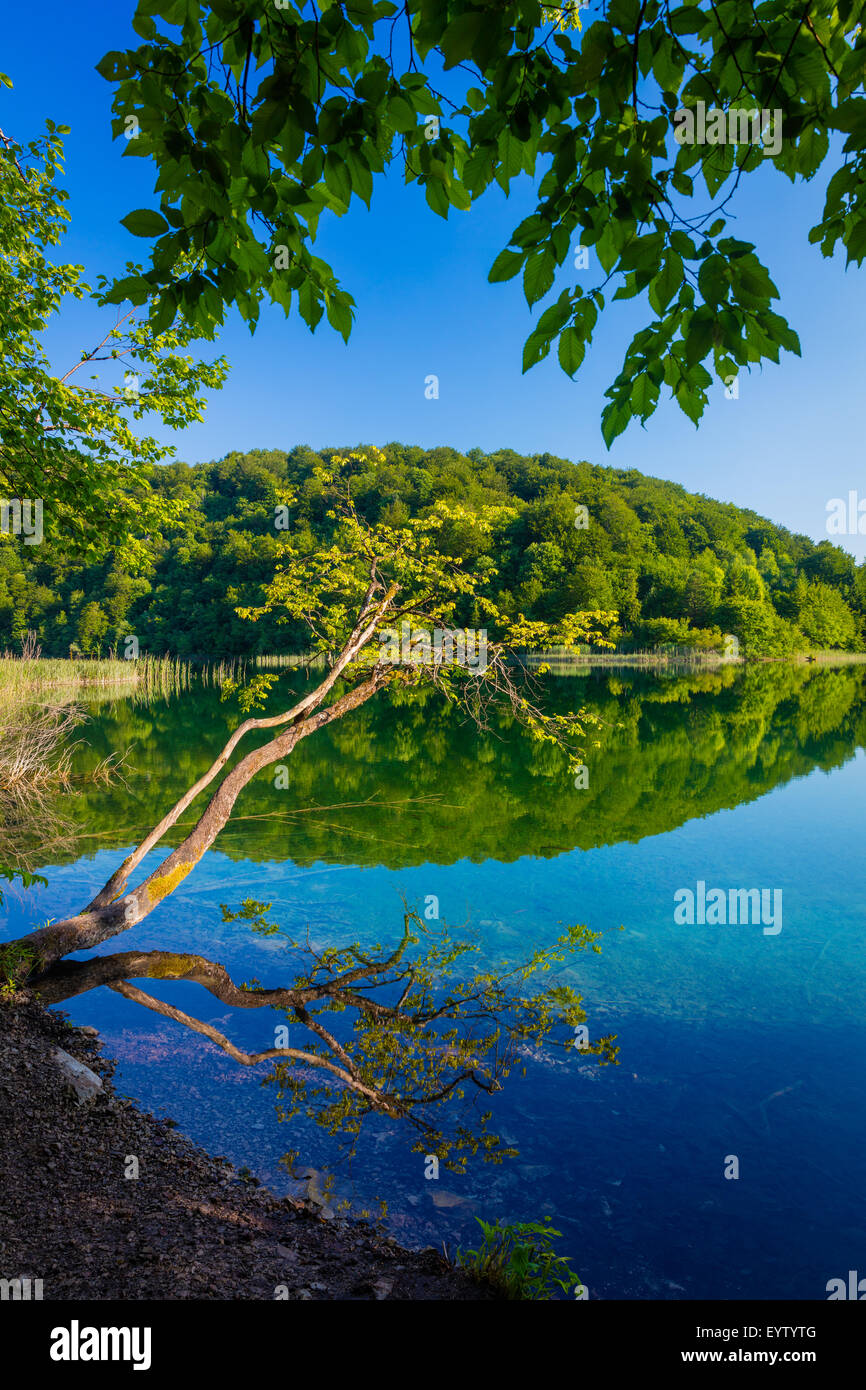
(104,919)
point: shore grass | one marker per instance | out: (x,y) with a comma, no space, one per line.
(148,675)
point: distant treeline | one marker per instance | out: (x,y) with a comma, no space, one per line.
(678,567)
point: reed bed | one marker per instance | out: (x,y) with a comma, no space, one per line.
(293,660)
(159,675)
(35,749)
(565,661)
(145,678)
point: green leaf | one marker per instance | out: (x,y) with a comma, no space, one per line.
(162,315)
(337,177)
(553,319)
(683,245)
(667,282)
(713,280)
(614,419)
(624,14)
(506,266)
(644,394)
(689,401)
(538,275)
(362,178)
(145,222)
(254,163)
(339,312)
(536,347)
(437,198)
(459,38)
(571,350)
(133,287)
(699,338)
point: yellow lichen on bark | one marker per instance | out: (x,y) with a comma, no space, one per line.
(164,884)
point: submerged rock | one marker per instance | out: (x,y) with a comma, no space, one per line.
(85,1083)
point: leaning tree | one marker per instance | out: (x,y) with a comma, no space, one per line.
(383,604)
(362,590)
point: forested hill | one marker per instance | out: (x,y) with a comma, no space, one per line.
(676,566)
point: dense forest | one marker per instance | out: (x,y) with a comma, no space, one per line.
(552,537)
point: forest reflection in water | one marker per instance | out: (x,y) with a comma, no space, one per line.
(406,780)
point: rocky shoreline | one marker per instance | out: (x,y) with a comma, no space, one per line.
(187,1227)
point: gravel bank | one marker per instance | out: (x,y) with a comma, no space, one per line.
(187,1227)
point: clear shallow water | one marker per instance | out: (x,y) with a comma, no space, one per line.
(732,1042)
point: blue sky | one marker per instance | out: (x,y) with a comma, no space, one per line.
(792,440)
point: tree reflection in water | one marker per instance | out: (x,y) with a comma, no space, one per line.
(413,1033)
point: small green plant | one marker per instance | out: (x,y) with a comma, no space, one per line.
(520,1260)
(16,963)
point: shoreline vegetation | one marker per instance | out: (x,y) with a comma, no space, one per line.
(544,537)
(154,676)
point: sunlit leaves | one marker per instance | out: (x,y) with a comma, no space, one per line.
(72,440)
(287,119)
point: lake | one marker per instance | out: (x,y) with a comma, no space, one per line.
(742,1045)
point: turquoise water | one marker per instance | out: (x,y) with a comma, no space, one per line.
(734,1044)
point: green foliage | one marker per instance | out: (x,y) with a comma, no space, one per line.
(92,627)
(74,446)
(675,566)
(251,695)
(253,912)
(259,120)
(826,619)
(17,962)
(520,1260)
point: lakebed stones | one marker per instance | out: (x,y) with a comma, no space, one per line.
(84,1082)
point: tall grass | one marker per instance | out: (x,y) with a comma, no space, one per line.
(293,660)
(215,672)
(157,675)
(36,758)
(147,676)
(35,750)
(35,762)
(565,661)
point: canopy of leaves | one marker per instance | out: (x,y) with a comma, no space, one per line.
(260,115)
